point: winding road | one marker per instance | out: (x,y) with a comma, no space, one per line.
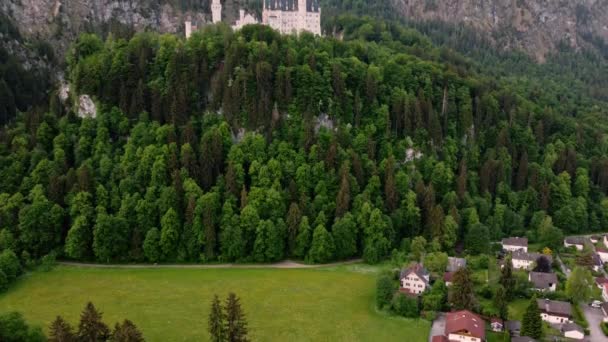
(287,264)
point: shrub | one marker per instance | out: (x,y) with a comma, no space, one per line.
(48,262)
(384,290)
(604,327)
(405,306)
(578,317)
(10,265)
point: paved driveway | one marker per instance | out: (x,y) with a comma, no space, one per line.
(438,327)
(594,317)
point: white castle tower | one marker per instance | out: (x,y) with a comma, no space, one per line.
(216,11)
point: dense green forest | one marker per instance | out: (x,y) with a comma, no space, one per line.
(252,146)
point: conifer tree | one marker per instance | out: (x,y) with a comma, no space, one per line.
(532,325)
(61,331)
(126,332)
(236,324)
(217,321)
(507,279)
(91,327)
(462,295)
(501,303)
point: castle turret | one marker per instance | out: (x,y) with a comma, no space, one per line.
(216,11)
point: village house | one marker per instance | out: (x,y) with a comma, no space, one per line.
(600,281)
(573,331)
(575,241)
(555,312)
(465,326)
(597,263)
(414,280)
(454,264)
(497,324)
(595,239)
(605,292)
(513,327)
(526,261)
(543,281)
(513,244)
(603,253)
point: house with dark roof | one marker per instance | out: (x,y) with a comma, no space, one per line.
(414,280)
(454,264)
(576,241)
(543,281)
(465,326)
(597,263)
(603,253)
(554,311)
(526,261)
(573,331)
(513,327)
(513,244)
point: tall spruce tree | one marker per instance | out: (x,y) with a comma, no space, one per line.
(91,327)
(507,279)
(501,303)
(217,321)
(61,331)
(462,295)
(532,325)
(236,324)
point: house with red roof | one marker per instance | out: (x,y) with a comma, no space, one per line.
(600,281)
(465,326)
(414,280)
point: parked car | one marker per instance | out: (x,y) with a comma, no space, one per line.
(596,304)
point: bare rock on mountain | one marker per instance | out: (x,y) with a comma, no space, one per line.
(536,26)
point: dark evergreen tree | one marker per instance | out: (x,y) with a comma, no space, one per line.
(532,324)
(507,278)
(217,321)
(236,324)
(91,327)
(126,332)
(462,294)
(61,331)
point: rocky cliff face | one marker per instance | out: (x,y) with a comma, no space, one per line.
(60,21)
(536,26)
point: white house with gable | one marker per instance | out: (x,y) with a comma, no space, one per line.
(414,280)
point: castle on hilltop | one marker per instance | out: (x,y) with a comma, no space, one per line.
(292,16)
(285,16)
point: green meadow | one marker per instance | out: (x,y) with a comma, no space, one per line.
(325,304)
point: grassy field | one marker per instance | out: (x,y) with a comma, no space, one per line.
(335,304)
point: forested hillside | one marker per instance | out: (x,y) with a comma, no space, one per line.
(251,146)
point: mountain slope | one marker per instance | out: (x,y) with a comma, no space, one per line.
(536,26)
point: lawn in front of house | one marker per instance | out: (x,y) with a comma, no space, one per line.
(334,304)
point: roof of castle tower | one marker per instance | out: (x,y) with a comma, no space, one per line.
(291,5)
